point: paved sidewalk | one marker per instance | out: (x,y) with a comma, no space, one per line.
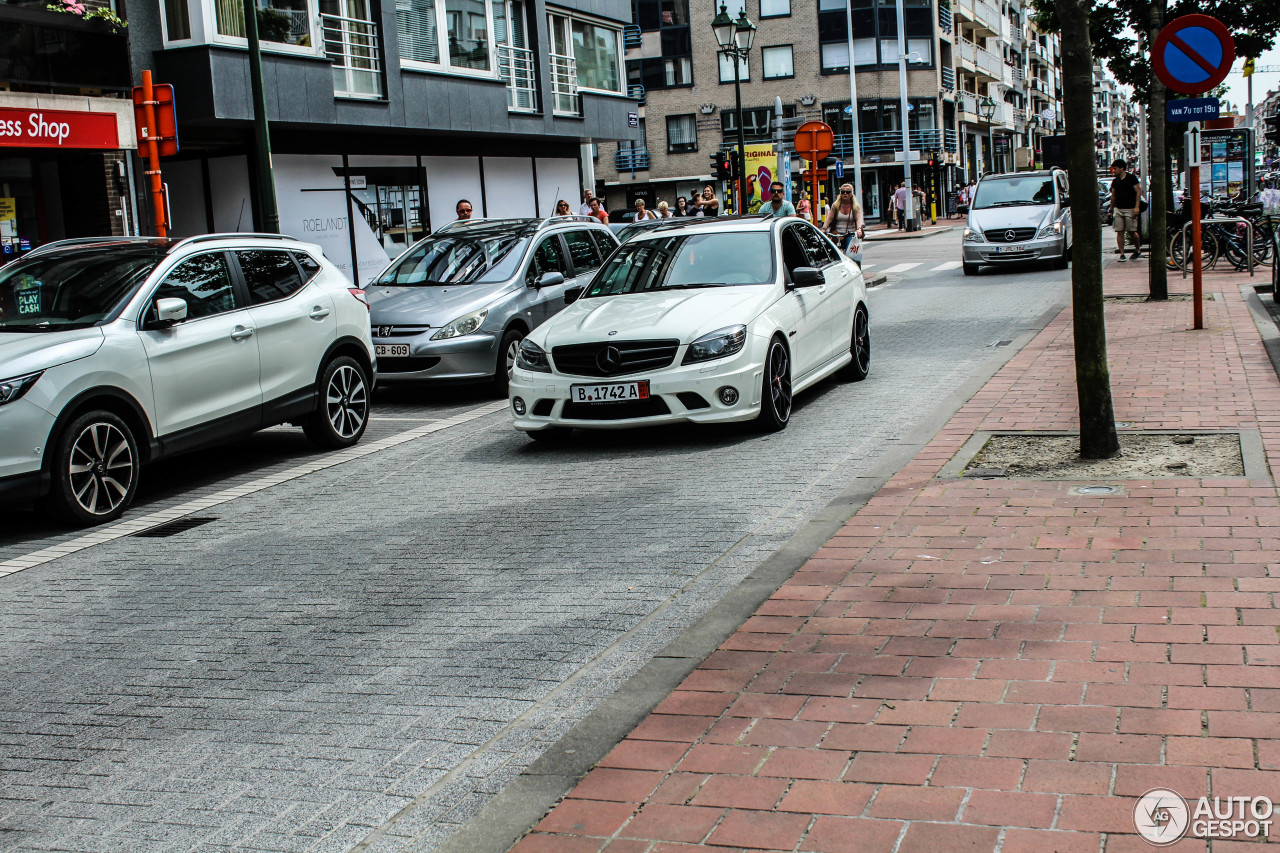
(879,232)
(993,664)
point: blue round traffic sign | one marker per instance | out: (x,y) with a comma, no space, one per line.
(1193,54)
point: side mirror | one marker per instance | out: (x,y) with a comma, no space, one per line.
(167,312)
(549,279)
(807,277)
(571,295)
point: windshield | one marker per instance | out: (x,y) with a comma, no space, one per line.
(71,288)
(1015,192)
(687,260)
(457,260)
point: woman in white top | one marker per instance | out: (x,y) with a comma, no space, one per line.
(641,213)
(664,211)
(844,221)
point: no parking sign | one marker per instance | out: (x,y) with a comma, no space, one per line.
(1193,54)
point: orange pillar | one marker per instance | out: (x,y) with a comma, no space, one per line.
(153,155)
(1197,284)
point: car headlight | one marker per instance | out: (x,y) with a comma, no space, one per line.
(532,357)
(1053,229)
(464,325)
(717,344)
(12,389)
(972,236)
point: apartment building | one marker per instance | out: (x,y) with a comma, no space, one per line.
(1115,120)
(384,115)
(970,71)
(66,125)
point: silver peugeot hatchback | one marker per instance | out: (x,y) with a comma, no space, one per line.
(455,306)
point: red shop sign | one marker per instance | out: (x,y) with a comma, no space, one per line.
(37,128)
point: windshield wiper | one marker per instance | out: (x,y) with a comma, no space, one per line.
(27,327)
(692,285)
(1022,203)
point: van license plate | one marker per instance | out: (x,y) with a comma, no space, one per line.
(1001,250)
(618,392)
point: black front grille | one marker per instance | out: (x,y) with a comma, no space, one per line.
(543,408)
(406,365)
(692,401)
(615,411)
(1001,235)
(614,358)
(384,332)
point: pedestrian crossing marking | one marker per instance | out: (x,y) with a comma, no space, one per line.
(902,267)
(949,265)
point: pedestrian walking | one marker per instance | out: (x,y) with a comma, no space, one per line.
(463,209)
(1125,208)
(643,214)
(844,221)
(562,208)
(596,210)
(900,205)
(803,207)
(682,206)
(585,208)
(664,210)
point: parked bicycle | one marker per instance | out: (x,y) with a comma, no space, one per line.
(1229,240)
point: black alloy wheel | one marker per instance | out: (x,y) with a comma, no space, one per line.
(775,393)
(859,347)
(342,412)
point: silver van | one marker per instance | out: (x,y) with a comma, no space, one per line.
(455,306)
(1016,218)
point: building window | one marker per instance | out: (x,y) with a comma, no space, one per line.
(177,20)
(468,28)
(774,8)
(682,134)
(416,26)
(279,21)
(726,68)
(875,28)
(596,52)
(777,62)
(757,124)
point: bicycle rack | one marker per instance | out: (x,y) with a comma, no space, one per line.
(1218,220)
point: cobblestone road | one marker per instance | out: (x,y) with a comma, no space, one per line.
(358,658)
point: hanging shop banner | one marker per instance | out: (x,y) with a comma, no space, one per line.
(36,128)
(762,164)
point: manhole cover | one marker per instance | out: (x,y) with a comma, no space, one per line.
(1097,490)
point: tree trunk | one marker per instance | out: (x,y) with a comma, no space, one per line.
(1093,380)
(1158,179)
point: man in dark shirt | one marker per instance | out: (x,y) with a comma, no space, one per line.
(1125,192)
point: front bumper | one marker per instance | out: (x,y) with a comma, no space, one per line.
(24,436)
(472,358)
(678,394)
(1050,248)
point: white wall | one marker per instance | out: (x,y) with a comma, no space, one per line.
(557,179)
(508,183)
(450,179)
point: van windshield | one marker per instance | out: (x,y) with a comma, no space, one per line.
(1014,192)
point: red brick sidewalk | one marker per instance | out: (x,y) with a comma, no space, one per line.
(988,664)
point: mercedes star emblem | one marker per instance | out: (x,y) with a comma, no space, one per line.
(1010,235)
(609,359)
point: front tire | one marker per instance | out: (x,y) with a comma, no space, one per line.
(970,269)
(507,351)
(859,347)
(95,469)
(342,412)
(775,391)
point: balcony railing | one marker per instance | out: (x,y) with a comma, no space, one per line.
(945,18)
(631,37)
(565,99)
(877,143)
(983,60)
(636,92)
(519,71)
(948,78)
(352,46)
(631,159)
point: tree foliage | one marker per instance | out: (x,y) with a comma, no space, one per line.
(1120,37)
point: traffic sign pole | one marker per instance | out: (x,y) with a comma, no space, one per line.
(814,139)
(153,156)
(1197,273)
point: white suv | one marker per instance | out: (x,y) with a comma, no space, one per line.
(115,352)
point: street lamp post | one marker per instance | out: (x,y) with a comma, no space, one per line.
(987,109)
(735,38)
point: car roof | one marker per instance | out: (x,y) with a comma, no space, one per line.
(712,224)
(520,226)
(1030,173)
(167,245)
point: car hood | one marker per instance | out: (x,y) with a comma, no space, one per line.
(998,218)
(429,306)
(27,352)
(682,314)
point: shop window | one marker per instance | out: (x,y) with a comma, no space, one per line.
(279,21)
(204,283)
(777,62)
(268,275)
(682,134)
(774,8)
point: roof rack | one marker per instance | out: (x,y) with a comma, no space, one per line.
(84,241)
(569,217)
(230,235)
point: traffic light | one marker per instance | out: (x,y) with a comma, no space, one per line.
(734,166)
(717,165)
(933,159)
